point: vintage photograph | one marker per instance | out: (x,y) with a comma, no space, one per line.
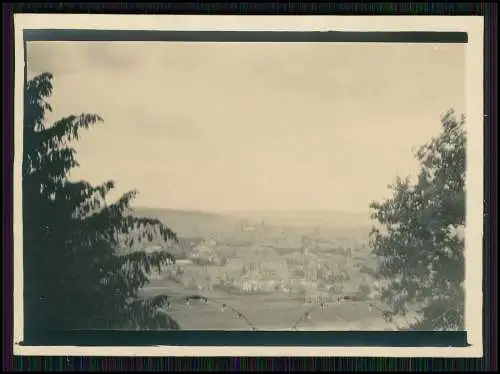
(244,186)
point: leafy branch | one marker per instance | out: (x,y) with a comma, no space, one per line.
(81,264)
(417,233)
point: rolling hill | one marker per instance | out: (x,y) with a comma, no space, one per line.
(189,224)
(307,218)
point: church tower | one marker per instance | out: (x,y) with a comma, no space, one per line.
(306,245)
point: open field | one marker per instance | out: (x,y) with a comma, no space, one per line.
(265,311)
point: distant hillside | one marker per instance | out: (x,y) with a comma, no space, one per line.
(304,218)
(189,224)
(201,224)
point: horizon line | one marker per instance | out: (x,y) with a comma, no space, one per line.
(248,210)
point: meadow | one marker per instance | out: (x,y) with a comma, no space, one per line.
(271,311)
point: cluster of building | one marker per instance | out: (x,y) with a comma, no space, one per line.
(257,268)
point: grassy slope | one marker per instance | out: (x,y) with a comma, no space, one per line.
(266,312)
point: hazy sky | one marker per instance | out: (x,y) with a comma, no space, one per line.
(221,126)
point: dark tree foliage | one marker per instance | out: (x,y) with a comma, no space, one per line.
(81,270)
(419,234)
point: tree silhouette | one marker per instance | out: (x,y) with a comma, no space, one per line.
(80,267)
(418,236)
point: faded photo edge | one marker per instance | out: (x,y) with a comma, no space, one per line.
(475,166)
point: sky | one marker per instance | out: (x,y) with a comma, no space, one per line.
(252,126)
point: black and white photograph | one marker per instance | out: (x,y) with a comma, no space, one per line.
(247,186)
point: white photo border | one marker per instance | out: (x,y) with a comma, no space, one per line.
(473,25)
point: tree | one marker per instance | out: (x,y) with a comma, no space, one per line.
(418,237)
(80,267)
